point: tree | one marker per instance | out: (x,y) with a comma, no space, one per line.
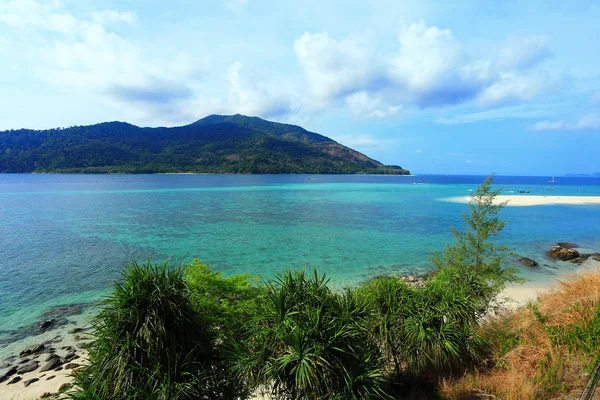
(474,259)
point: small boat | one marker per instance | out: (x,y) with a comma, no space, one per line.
(552,180)
(524,191)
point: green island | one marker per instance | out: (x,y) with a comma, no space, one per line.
(216,144)
(187,332)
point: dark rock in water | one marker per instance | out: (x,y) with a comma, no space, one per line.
(567,245)
(33,349)
(580,259)
(64,311)
(30,381)
(51,364)
(30,366)
(11,371)
(5,365)
(14,380)
(46,324)
(24,360)
(528,262)
(563,253)
(71,365)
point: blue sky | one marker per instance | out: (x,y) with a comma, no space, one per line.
(460,87)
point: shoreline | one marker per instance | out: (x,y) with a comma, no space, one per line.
(532,200)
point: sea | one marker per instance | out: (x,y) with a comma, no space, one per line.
(65,239)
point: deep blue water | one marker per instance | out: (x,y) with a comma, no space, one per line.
(65,238)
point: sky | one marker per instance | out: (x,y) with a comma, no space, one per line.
(452,87)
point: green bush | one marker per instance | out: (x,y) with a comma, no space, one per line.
(149,343)
(310,342)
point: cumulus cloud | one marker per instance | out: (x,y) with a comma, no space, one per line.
(429,68)
(587,122)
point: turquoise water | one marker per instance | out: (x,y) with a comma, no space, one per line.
(65,238)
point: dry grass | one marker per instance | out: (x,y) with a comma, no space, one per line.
(543,351)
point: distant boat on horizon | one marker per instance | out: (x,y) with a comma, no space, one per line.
(552,180)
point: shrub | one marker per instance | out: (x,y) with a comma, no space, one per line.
(309,342)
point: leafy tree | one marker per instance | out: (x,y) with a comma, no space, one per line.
(474,259)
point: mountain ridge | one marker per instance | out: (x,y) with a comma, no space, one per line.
(213,144)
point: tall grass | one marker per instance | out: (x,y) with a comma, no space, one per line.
(542,351)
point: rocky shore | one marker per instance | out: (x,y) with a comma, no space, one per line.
(45,367)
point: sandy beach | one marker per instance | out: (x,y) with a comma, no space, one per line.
(526,200)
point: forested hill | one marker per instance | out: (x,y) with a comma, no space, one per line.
(215,144)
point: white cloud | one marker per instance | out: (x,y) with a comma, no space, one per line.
(253,97)
(521,111)
(523,52)
(511,87)
(366,142)
(335,69)
(587,122)
(430,68)
(29,14)
(418,151)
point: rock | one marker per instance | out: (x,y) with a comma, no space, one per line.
(25,361)
(51,364)
(45,395)
(11,371)
(33,349)
(416,281)
(46,324)
(30,366)
(528,262)
(71,365)
(563,253)
(64,386)
(3,378)
(58,369)
(70,357)
(30,381)
(69,349)
(5,365)
(51,377)
(51,356)
(14,380)
(567,245)
(580,259)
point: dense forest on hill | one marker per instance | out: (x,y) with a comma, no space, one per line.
(215,144)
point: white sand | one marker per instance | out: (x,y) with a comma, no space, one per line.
(526,200)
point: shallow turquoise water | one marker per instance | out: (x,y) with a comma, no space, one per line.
(64,238)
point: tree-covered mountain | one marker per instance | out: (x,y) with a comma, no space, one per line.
(215,144)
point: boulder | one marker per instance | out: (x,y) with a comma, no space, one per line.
(30,366)
(11,371)
(51,364)
(33,349)
(528,262)
(46,395)
(30,381)
(3,378)
(70,357)
(71,365)
(51,356)
(567,245)
(14,380)
(563,253)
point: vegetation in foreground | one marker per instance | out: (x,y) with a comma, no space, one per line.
(190,333)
